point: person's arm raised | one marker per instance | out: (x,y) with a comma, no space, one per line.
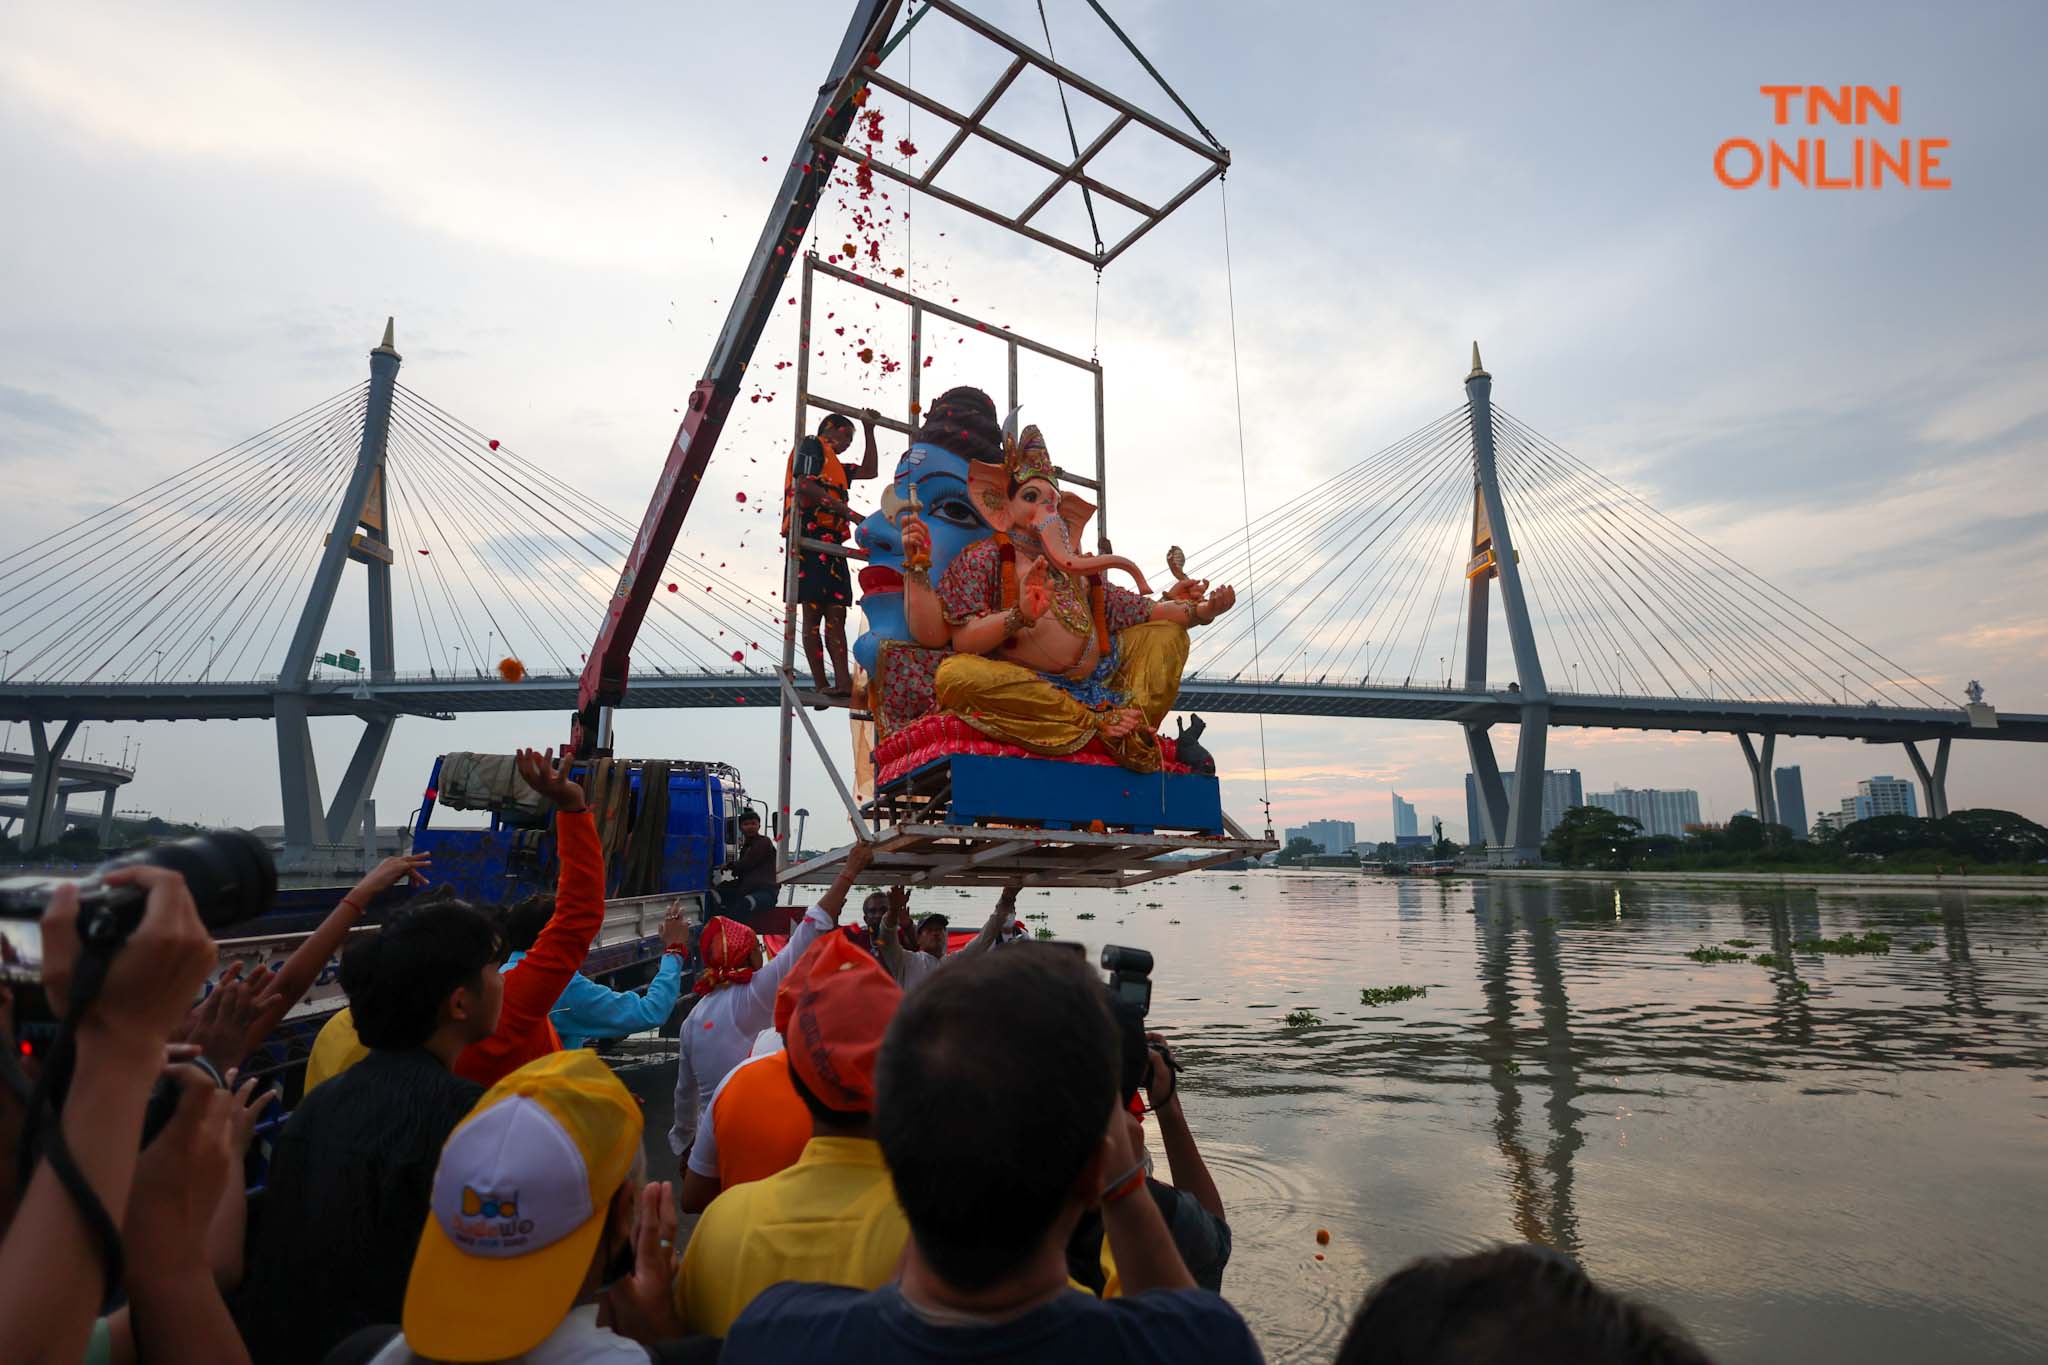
(1183,1158)
(533,986)
(52,1279)
(303,967)
(177,1314)
(818,921)
(992,928)
(870,457)
(1138,1237)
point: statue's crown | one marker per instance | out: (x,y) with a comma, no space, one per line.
(1025,458)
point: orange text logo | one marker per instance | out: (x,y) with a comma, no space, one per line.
(1858,160)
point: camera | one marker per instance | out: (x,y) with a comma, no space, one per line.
(1130,998)
(229,873)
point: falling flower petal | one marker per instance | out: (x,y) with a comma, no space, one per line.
(494,443)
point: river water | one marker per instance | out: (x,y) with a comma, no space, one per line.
(1840,1159)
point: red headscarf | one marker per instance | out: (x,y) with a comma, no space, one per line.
(728,952)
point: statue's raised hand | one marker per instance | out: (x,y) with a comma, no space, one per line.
(1215,604)
(917,540)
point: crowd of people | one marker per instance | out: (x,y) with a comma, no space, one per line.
(892,1152)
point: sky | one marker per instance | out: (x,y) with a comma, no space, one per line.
(215,209)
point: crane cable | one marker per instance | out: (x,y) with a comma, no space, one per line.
(1245,498)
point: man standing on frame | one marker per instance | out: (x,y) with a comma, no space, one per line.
(819,483)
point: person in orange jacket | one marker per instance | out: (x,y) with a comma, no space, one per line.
(534,984)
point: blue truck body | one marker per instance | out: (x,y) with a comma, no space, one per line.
(514,857)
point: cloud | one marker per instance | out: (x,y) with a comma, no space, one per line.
(46,413)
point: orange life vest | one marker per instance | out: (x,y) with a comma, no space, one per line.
(825,523)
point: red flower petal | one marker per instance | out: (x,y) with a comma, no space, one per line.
(494,444)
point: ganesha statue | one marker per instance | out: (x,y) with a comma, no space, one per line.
(975,589)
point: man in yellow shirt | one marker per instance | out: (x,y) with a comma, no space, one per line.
(831,1218)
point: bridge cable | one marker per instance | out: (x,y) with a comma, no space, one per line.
(1243,474)
(1752,581)
(495,472)
(1305,543)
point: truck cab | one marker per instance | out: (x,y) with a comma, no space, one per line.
(667,826)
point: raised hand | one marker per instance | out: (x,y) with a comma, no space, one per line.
(643,1304)
(550,779)
(1215,604)
(235,1018)
(917,541)
(1187,590)
(675,930)
(392,871)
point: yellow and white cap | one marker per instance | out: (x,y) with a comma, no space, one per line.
(518,1205)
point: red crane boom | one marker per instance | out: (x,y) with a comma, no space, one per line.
(606,667)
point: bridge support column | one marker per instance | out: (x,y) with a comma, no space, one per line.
(1514,819)
(358,534)
(1492,792)
(1934,782)
(107,819)
(351,800)
(1760,781)
(298,776)
(40,826)
(1525,803)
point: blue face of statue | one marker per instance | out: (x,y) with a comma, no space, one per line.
(940,478)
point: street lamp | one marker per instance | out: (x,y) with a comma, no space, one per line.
(207,672)
(801,815)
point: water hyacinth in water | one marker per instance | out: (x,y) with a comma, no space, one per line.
(1390,995)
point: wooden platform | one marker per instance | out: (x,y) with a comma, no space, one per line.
(990,855)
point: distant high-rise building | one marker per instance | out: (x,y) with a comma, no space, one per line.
(1886,795)
(1404,818)
(1791,793)
(1329,836)
(1658,812)
(1562,789)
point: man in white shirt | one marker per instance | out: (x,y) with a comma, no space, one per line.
(736,991)
(911,968)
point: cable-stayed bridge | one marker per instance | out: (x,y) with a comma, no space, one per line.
(208,595)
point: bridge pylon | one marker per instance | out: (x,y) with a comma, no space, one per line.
(359,533)
(1513,819)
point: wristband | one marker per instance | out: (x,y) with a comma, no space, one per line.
(1125,1185)
(352,903)
(676,950)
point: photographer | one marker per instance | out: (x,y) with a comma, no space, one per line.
(1190,1205)
(54,1270)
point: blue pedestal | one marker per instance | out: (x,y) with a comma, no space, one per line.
(1071,795)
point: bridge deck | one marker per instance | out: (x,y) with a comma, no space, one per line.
(446,696)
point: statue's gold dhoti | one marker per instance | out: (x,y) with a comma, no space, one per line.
(1020,706)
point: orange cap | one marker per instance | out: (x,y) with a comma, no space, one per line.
(832,1016)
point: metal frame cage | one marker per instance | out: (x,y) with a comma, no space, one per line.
(1072,169)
